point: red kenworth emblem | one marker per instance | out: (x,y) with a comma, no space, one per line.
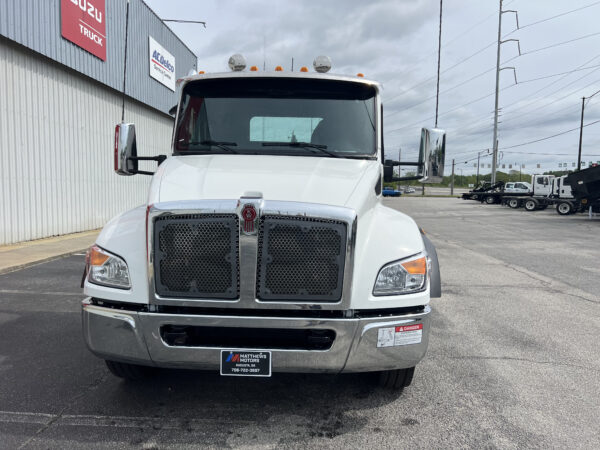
(249,215)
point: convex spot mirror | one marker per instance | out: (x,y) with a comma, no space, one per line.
(125,149)
(432,155)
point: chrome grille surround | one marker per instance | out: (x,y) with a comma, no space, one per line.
(248,251)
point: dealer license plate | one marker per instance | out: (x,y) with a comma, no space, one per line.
(245,363)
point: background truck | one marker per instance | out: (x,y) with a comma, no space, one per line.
(264,245)
(541,186)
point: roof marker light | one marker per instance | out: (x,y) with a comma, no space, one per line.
(253,69)
(303,69)
(360,75)
(278,69)
(322,64)
(237,62)
(201,72)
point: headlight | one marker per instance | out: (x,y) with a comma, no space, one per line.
(107,269)
(401,277)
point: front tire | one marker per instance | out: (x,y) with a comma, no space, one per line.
(126,371)
(490,200)
(396,379)
(531,205)
(564,208)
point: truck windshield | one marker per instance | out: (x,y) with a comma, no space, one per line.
(286,116)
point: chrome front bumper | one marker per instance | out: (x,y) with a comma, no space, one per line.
(134,337)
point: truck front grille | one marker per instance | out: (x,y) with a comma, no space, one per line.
(300,259)
(196,256)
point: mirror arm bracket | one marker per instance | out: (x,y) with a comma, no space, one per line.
(159,159)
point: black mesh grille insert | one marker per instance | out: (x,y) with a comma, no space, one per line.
(196,255)
(301,259)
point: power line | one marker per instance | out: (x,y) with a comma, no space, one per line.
(443,71)
(553,17)
(560,43)
(548,154)
(483,73)
(509,106)
(557,74)
(548,137)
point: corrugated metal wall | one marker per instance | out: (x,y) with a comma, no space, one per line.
(36,25)
(56,141)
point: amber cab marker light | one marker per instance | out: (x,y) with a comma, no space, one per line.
(303,69)
(360,75)
(201,72)
(416,267)
(253,69)
(278,69)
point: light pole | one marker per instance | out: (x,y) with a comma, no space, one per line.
(581,128)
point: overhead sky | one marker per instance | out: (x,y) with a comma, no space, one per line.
(395,42)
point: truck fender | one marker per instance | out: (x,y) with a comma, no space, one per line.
(435,280)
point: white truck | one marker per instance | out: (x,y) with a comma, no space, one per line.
(264,245)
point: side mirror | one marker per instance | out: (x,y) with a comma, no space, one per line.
(126,160)
(432,155)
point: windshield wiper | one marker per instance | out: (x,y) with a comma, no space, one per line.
(221,144)
(322,148)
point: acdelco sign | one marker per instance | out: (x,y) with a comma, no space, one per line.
(162,64)
(83,22)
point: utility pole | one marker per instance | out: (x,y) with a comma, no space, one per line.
(477,167)
(498,69)
(437,95)
(580,133)
(520,167)
(452,181)
(495,155)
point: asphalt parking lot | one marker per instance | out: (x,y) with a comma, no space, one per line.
(514,358)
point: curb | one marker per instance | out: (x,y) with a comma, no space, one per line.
(40,261)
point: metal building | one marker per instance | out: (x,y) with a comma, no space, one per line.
(61,77)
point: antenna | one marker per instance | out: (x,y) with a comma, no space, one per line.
(125,63)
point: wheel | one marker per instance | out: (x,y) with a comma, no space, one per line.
(513,203)
(490,199)
(474,197)
(127,371)
(564,208)
(396,379)
(531,205)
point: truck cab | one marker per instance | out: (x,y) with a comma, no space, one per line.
(560,189)
(542,185)
(264,245)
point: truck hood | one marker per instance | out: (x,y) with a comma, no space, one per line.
(329,181)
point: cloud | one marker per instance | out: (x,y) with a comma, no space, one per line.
(395,43)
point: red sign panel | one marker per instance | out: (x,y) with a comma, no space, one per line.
(83,22)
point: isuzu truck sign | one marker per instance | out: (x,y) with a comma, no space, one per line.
(162,64)
(83,22)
